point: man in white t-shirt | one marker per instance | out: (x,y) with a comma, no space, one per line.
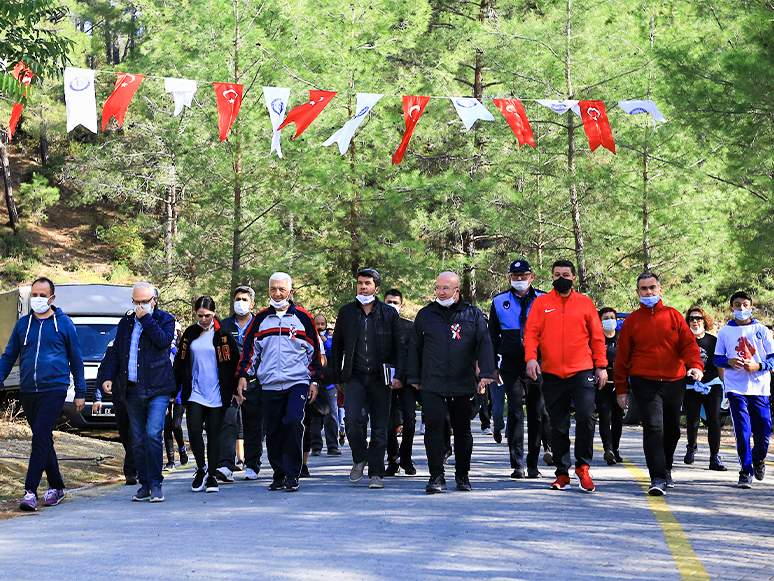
(744,354)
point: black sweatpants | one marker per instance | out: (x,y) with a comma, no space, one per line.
(125,435)
(459,408)
(367,396)
(521,390)
(559,393)
(659,403)
(610,418)
(692,404)
(173,430)
(197,413)
(405,400)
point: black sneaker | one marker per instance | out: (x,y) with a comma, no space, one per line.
(610,458)
(548,458)
(183,457)
(304,472)
(342,438)
(533,472)
(657,487)
(198,482)
(144,493)
(518,472)
(618,458)
(316,453)
(131,480)
(436,484)
(498,436)
(291,484)
(392,469)
(334,452)
(211,484)
(669,482)
(408,468)
(745,480)
(759,468)
(463,483)
(689,455)
(278,483)
(716,464)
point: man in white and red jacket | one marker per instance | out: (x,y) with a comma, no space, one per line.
(654,348)
(565,326)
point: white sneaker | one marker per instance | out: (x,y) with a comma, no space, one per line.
(224,475)
(250,474)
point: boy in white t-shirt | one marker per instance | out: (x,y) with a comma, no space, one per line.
(745,356)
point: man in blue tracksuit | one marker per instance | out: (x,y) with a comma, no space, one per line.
(507,319)
(46,344)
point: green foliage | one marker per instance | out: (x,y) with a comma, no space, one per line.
(126,241)
(36,196)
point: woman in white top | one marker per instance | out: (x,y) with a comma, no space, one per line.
(205,366)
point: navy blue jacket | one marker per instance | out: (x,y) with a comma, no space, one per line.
(48,351)
(445,345)
(154,367)
(507,319)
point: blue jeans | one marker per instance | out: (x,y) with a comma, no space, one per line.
(146,417)
(497,391)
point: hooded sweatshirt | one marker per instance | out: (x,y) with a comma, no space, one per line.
(48,351)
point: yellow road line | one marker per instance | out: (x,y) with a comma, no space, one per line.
(688,564)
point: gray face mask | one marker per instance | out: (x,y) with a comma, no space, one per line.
(609,324)
(520,285)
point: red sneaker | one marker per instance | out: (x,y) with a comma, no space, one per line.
(584,479)
(562,483)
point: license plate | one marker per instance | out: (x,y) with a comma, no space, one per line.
(105,411)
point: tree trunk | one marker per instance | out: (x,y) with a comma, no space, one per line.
(354,207)
(13,214)
(169,205)
(236,249)
(645,212)
(469,270)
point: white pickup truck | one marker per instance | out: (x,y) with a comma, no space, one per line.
(95,310)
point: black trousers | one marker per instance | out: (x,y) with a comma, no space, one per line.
(610,417)
(559,393)
(520,391)
(692,404)
(197,414)
(173,430)
(366,396)
(125,435)
(459,409)
(42,409)
(659,403)
(283,413)
(404,400)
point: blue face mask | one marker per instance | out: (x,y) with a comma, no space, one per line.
(650,301)
(742,315)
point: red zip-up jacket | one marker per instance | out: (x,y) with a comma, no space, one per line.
(568,334)
(655,343)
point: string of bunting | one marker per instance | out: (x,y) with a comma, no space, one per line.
(81,105)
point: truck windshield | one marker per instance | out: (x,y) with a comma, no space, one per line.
(94,340)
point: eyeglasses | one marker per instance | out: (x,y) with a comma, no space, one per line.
(138,303)
(696,318)
(520,275)
(445,288)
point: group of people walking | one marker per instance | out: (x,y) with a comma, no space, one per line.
(554,353)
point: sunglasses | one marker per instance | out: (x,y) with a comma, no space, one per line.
(697,318)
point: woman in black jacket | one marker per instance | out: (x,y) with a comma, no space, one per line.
(610,413)
(205,366)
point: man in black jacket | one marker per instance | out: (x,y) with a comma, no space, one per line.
(448,338)
(367,337)
(404,402)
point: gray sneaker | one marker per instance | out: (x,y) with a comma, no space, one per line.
(143,493)
(156,494)
(376,482)
(356,474)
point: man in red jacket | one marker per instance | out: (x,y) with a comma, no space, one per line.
(654,348)
(565,326)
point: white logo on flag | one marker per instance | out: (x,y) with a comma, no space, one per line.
(182,90)
(277,103)
(638,106)
(470,111)
(561,107)
(80,99)
(364,104)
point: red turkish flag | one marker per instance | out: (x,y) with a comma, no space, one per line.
(514,113)
(413,107)
(596,125)
(118,102)
(229,99)
(24,76)
(303,115)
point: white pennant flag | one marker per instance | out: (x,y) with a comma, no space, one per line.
(635,107)
(277,103)
(470,111)
(182,90)
(80,99)
(561,107)
(364,104)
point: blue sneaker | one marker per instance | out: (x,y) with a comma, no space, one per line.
(143,493)
(156,494)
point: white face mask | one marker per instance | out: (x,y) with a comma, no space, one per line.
(447,302)
(609,324)
(279,305)
(364,300)
(698,331)
(520,285)
(742,315)
(39,304)
(394,306)
(241,308)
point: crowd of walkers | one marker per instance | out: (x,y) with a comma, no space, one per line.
(279,375)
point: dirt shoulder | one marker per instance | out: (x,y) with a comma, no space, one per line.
(95,461)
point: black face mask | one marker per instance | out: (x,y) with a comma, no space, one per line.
(562,285)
